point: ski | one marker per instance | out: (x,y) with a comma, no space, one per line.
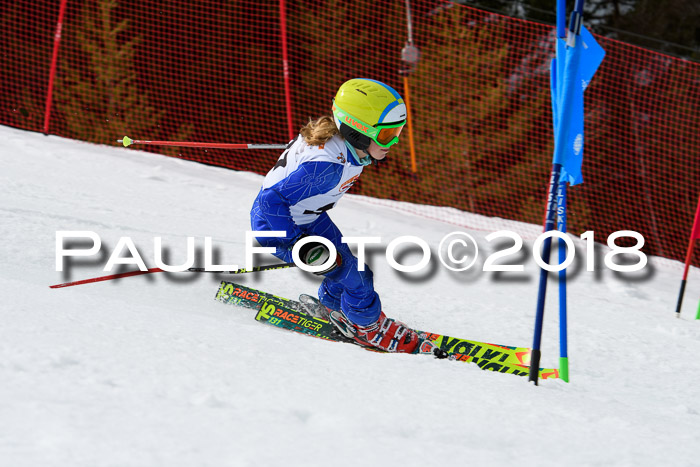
(289,314)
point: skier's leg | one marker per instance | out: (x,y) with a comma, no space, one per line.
(259,222)
(345,287)
(350,292)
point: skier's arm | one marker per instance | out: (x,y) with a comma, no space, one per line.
(309,179)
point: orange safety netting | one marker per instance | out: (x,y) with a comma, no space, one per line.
(213,71)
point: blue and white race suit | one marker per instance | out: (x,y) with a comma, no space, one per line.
(305,183)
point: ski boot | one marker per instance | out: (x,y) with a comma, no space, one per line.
(385,334)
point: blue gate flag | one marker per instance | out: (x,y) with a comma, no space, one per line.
(571,72)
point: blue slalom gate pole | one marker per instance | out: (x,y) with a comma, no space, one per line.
(563,337)
(550,219)
(564,98)
(561,19)
(576,18)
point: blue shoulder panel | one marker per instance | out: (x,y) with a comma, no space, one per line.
(271,208)
(309,179)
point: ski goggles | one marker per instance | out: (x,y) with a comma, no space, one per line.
(384,134)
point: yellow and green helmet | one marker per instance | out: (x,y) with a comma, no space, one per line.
(366,110)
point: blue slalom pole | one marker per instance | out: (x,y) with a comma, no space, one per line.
(563,337)
(560,49)
(550,219)
(564,97)
(563,333)
(561,18)
(576,19)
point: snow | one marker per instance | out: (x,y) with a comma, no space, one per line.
(151,370)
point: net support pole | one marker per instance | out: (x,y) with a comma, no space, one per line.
(54,61)
(409,56)
(285,68)
(409,125)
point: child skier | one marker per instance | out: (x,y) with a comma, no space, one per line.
(311,175)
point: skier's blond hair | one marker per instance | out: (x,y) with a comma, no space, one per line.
(319,131)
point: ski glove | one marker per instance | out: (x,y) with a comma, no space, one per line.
(316,253)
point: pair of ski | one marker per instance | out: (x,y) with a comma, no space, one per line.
(294,316)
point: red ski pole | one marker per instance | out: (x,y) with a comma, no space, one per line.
(153,270)
(694,235)
(126,141)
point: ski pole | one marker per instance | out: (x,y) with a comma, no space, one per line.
(126,141)
(694,235)
(154,270)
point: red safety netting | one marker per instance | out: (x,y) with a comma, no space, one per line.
(213,71)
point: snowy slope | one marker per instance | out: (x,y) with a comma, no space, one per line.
(151,370)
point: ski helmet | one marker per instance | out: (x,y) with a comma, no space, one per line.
(366,110)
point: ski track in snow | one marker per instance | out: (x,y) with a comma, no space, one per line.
(151,370)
